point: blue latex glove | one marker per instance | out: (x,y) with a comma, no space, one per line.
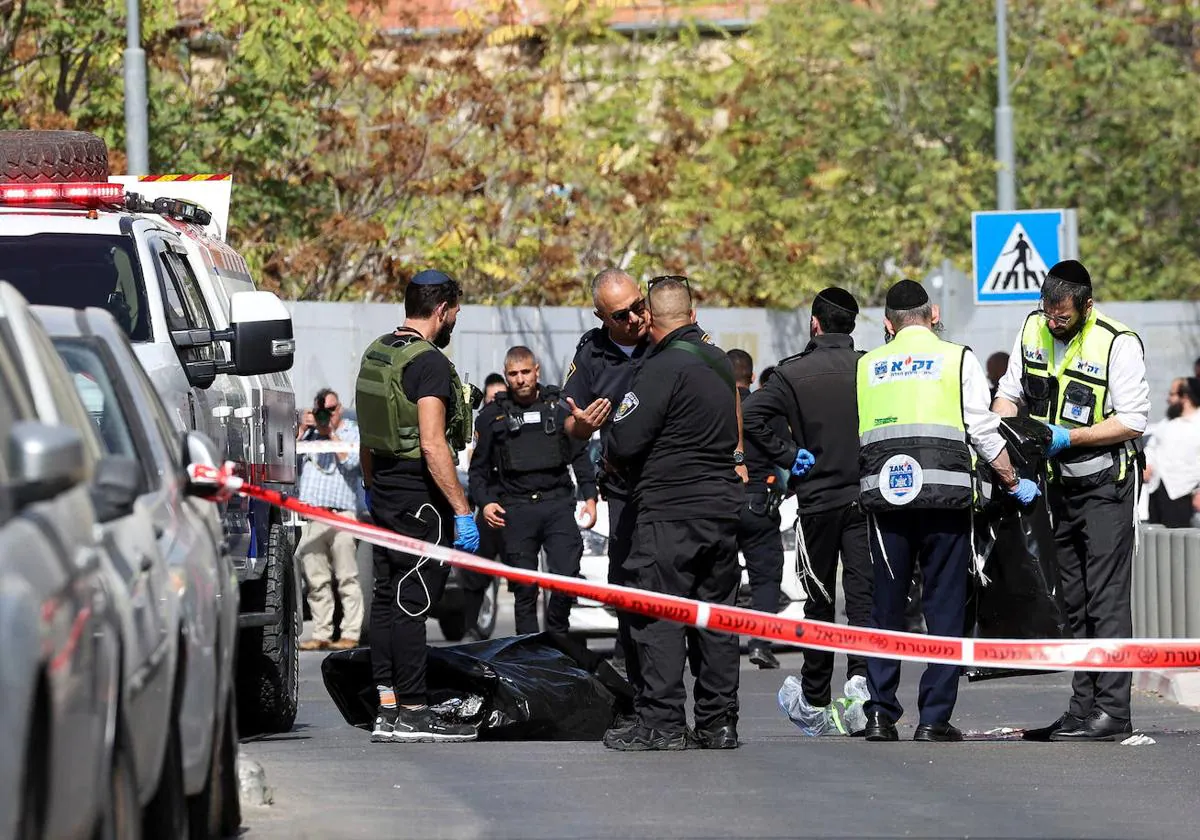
(803,463)
(1025,491)
(1061,440)
(466,533)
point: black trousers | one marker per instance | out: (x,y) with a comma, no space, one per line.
(939,541)
(529,527)
(405,590)
(760,542)
(695,558)
(622,518)
(1093,532)
(828,535)
(1168,512)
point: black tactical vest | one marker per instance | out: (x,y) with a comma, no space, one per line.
(532,439)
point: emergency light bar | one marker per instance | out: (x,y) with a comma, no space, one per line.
(86,195)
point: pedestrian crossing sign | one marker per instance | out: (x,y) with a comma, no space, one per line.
(1013,251)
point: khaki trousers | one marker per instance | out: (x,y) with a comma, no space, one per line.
(325,553)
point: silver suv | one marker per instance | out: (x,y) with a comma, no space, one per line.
(216,351)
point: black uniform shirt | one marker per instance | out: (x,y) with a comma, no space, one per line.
(676,430)
(601,369)
(489,481)
(815,391)
(427,375)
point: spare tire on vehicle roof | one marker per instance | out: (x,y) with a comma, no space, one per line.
(34,157)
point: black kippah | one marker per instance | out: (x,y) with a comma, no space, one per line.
(1072,271)
(907,294)
(839,299)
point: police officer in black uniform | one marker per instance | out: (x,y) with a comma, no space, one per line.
(600,375)
(675,435)
(758,525)
(813,392)
(519,477)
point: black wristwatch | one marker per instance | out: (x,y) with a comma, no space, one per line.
(739,457)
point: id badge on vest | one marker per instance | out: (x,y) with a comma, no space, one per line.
(1078,404)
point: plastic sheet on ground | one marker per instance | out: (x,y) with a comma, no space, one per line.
(543,687)
(844,716)
(1021,598)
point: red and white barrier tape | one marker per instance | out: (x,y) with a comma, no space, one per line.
(1035,654)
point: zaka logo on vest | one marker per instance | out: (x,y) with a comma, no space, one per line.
(1033,353)
(1089,368)
(901,479)
(902,368)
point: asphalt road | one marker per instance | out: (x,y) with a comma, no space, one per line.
(330,783)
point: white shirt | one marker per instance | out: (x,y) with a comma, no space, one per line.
(983,425)
(1128,394)
(1173,455)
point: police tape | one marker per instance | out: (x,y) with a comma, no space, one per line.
(319,447)
(1029,654)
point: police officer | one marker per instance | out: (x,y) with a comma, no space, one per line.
(1085,374)
(922,409)
(413,415)
(600,374)
(675,434)
(519,478)
(813,392)
(758,536)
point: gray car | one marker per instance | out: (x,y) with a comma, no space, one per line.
(67,769)
(126,409)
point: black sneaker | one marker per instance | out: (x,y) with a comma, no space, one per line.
(761,655)
(385,724)
(641,738)
(423,726)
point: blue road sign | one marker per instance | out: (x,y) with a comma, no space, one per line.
(1012,251)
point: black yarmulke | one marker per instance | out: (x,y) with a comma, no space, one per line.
(840,299)
(1071,271)
(907,294)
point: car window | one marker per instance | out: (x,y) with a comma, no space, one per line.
(60,269)
(172,434)
(98,395)
(66,400)
(185,309)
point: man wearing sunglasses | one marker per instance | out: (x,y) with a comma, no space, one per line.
(1084,374)
(599,376)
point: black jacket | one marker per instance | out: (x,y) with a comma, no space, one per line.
(759,463)
(815,392)
(489,481)
(602,369)
(675,432)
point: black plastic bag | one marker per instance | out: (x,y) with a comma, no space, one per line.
(543,687)
(1022,598)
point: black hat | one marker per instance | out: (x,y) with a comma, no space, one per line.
(1071,271)
(907,294)
(432,277)
(839,299)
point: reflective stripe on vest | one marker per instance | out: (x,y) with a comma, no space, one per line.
(913,448)
(1072,391)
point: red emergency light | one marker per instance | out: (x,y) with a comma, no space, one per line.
(83,194)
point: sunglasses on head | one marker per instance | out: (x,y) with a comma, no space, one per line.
(663,278)
(638,307)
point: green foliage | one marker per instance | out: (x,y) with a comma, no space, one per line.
(836,142)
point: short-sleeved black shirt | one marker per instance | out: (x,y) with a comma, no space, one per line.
(428,375)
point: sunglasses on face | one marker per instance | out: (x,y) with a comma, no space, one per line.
(638,307)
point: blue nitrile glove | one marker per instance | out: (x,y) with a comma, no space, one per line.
(1061,440)
(466,533)
(803,463)
(1025,491)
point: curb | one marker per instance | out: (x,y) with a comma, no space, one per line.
(1182,687)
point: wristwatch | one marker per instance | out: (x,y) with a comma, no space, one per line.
(739,457)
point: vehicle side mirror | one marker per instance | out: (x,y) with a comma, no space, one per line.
(45,460)
(115,487)
(260,331)
(198,448)
(200,374)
